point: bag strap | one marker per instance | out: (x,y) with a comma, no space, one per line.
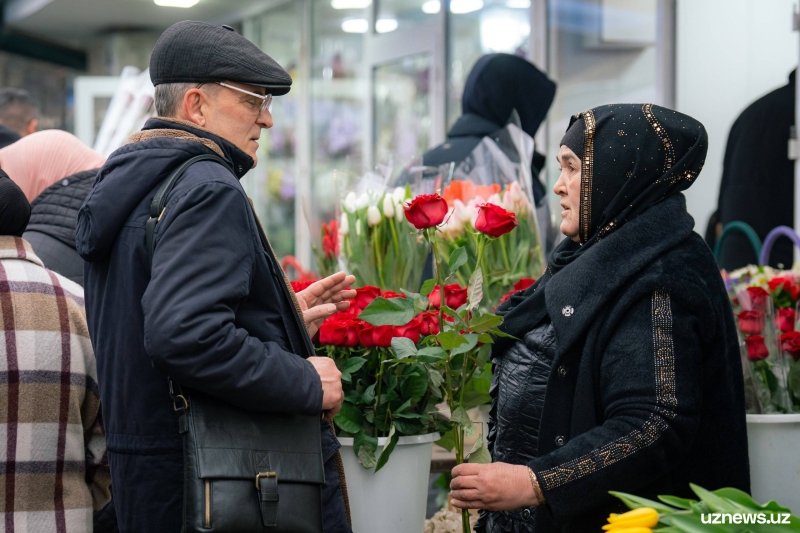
(157,206)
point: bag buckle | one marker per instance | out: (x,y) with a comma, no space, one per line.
(259,475)
(185,403)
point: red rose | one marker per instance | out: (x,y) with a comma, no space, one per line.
(494,221)
(756,349)
(298,286)
(790,343)
(364,296)
(429,323)
(426,211)
(523,284)
(339,331)
(454,296)
(391,294)
(412,330)
(785,319)
(751,322)
(757,295)
(330,239)
(371,336)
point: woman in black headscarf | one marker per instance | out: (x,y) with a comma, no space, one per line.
(627,374)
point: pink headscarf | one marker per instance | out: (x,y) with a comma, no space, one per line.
(37,161)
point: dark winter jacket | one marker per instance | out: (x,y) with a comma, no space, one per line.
(54,215)
(8,136)
(647,396)
(210,314)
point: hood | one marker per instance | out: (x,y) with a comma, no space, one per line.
(135,170)
(500,83)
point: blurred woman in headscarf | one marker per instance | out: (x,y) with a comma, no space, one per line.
(56,171)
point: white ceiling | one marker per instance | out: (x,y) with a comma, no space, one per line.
(77,20)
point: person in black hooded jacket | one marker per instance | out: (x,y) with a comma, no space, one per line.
(623,372)
(498,85)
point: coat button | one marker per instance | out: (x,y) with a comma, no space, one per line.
(562,371)
(568,311)
(526,514)
(560,441)
(241,168)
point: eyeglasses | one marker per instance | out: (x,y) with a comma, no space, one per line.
(266,100)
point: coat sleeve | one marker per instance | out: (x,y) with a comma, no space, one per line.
(202,267)
(650,393)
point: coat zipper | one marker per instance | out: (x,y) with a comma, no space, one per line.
(207,517)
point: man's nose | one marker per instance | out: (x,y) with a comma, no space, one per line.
(265,119)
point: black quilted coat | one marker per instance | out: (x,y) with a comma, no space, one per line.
(644,397)
(51,230)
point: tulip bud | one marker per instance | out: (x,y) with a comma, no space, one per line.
(358,227)
(636,521)
(350,202)
(363,201)
(344,225)
(399,194)
(373,216)
(399,213)
(388,206)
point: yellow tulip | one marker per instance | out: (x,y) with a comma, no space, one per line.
(636,521)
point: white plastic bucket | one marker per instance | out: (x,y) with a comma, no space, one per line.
(394,500)
(774,459)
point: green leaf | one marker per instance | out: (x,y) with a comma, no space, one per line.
(450,339)
(692,523)
(415,385)
(634,502)
(481,455)
(353,364)
(435,377)
(431,354)
(680,503)
(388,312)
(742,498)
(457,259)
(485,323)
(408,427)
(716,503)
(475,398)
(366,457)
(448,440)
(349,418)
(427,287)
(475,289)
(472,341)
(369,395)
(362,439)
(394,436)
(403,347)
(794,379)
(459,416)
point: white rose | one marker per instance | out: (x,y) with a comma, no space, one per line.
(344,225)
(388,206)
(358,228)
(374,216)
(363,201)
(350,202)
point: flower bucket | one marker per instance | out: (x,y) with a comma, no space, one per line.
(774,461)
(393,500)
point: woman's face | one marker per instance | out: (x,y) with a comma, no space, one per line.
(568,187)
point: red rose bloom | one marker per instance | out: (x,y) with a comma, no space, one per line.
(298,286)
(454,296)
(751,322)
(412,330)
(364,296)
(756,349)
(371,336)
(758,296)
(494,221)
(339,331)
(790,343)
(785,319)
(429,323)
(391,294)
(523,284)
(426,211)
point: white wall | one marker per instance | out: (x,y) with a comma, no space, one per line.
(729,53)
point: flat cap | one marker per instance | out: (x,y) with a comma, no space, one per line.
(198,52)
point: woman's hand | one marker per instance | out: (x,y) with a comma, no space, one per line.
(324,298)
(494,487)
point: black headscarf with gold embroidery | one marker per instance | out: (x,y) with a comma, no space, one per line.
(634,156)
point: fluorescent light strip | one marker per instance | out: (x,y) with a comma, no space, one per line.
(461,7)
(432,7)
(176,3)
(350,4)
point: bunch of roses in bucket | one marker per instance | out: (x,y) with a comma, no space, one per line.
(457,355)
(765,302)
(516,256)
(383,396)
(377,244)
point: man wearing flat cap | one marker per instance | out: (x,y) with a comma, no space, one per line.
(209,311)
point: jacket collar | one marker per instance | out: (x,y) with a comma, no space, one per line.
(241,163)
(18,248)
(579,292)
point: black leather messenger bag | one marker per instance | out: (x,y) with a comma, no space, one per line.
(244,471)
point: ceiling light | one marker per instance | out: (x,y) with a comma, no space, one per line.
(502,32)
(350,4)
(431,7)
(518,4)
(175,3)
(385,25)
(460,7)
(355,26)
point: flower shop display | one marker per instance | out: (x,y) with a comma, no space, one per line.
(720,511)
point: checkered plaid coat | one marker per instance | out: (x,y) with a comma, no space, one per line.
(54,471)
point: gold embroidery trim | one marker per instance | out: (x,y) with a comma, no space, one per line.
(669,148)
(587,175)
(656,424)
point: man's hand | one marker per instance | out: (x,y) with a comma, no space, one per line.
(331,378)
(324,298)
(494,487)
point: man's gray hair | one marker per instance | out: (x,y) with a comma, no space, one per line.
(17,109)
(169,96)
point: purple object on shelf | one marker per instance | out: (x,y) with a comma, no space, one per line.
(780,231)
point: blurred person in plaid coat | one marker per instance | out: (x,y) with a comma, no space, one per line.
(54,472)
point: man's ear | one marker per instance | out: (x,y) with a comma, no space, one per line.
(195,107)
(33,125)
